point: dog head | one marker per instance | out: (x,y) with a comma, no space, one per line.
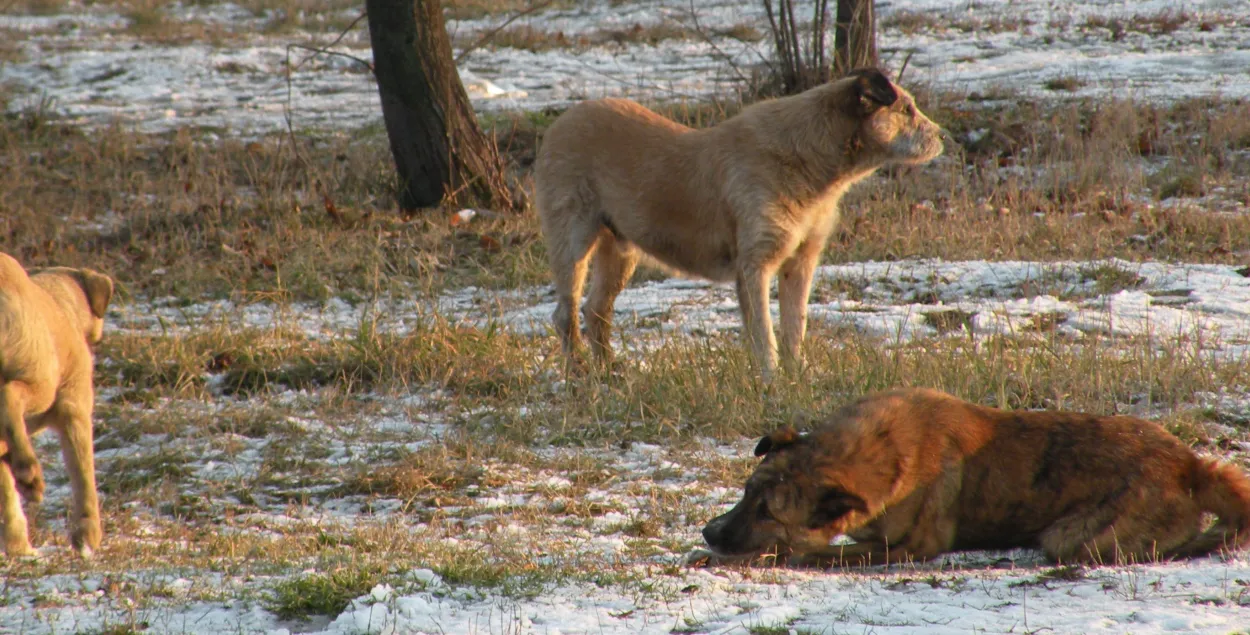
(891,128)
(790,503)
(87,290)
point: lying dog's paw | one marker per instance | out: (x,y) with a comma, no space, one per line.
(808,561)
(705,558)
(700,558)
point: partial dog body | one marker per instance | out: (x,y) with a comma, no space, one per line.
(752,197)
(48,323)
(912,474)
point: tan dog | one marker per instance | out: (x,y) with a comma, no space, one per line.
(911,474)
(48,323)
(745,200)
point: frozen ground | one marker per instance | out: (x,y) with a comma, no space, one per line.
(227,483)
(894,300)
(266,487)
(1198,597)
(84,65)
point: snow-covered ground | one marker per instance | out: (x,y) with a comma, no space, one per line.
(976,592)
(1205,596)
(894,300)
(86,68)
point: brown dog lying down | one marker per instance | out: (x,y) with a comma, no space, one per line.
(48,323)
(911,474)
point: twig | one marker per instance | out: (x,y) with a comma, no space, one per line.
(899,77)
(490,35)
(326,49)
(798,52)
(286,113)
(622,82)
(816,31)
(778,41)
(707,39)
(319,51)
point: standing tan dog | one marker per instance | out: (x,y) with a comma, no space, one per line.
(48,323)
(911,474)
(754,196)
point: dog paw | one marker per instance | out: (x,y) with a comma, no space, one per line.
(807,561)
(29,480)
(19,547)
(700,558)
(705,558)
(86,537)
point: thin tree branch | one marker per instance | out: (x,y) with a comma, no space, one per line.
(707,39)
(798,53)
(490,35)
(326,49)
(290,70)
(899,78)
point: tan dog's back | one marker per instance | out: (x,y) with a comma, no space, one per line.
(48,322)
(632,167)
(27,347)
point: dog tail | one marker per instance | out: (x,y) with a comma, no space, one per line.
(1224,490)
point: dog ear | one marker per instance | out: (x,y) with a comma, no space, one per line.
(780,438)
(98,289)
(834,504)
(873,88)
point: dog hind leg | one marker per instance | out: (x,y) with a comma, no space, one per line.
(612,267)
(73,424)
(571,238)
(1146,529)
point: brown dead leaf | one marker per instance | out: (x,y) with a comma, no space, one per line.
(489,243)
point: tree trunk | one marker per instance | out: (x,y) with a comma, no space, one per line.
(440,151)
(855,36)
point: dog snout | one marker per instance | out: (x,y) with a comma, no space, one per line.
(714,532)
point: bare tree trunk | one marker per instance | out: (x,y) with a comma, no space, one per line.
(855,36)
(440,151)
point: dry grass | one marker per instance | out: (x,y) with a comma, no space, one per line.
(189,216)
(915,22)
(477,9)
(448,497)
(529,38)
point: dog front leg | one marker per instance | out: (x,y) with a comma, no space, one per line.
(856,555)
(793,289)
(74,428)
(24,465)
(757,323)
(707,558)
(16,538)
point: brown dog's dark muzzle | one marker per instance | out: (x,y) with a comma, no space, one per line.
(732,533)
(714,533)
